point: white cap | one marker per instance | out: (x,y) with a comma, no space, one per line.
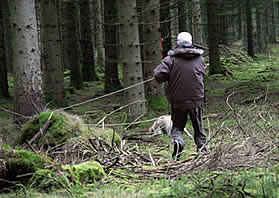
(184,37)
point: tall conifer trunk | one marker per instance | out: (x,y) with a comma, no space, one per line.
(26,58)
(197,21)
(151,46)
(3,61)
(174,28)
(51,52)
(73,46)
(112,82)
(130,56)
(250,30)
(87,48)
(213,36)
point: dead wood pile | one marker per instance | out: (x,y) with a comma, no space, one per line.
(243,138)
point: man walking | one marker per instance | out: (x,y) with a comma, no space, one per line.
(184,69)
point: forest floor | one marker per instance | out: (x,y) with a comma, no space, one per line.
(241,121)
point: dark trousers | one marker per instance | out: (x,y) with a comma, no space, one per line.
(179,118)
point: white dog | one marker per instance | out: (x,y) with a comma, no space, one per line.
(164,125)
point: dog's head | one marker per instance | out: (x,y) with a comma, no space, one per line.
(159,124)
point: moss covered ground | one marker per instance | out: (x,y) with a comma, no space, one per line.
(243,147)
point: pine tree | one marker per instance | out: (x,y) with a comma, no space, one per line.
(87,47)
(112,81)
(51,52)
(28,90)
(4,91)
(130,56)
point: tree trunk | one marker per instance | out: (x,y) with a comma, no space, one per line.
(213,36)
(244,23)
(51,52)
(165,26)
(276,19)
(196,21)
(151,47)
(26,58)
(130,56)
(254,32)
(174,22)
(271,23)
(64,34)
(7,35)
(224,34)
(183,18)
(112,82)
(88,62)
(250,30)
(100,31)
(239,21)
(4,90)
(73,46)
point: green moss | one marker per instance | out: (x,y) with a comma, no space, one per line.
(22,162)
(45,180)
(87,172)
(60,128)
(6,147)
(158,103)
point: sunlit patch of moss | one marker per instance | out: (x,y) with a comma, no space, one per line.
(87,172)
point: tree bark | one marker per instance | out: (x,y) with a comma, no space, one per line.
(174,22)
(213,36)
(7,35)
(87,49)
(112,82)
(64,20)
(165,26)
(100,31)
(51,52)
(244,23)
(130,56)
(28,91)
(183,16)
(271,23)
(73,45)
(224,33)
(151,46)
(196,22)
(250,30)
(4,90)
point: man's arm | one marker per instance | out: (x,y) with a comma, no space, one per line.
(161,72)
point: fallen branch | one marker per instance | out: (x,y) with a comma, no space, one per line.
(42,130)
(14,113)
(251,100)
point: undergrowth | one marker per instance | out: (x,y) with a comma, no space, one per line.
(243,147)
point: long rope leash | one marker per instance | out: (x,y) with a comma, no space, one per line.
(106,95)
